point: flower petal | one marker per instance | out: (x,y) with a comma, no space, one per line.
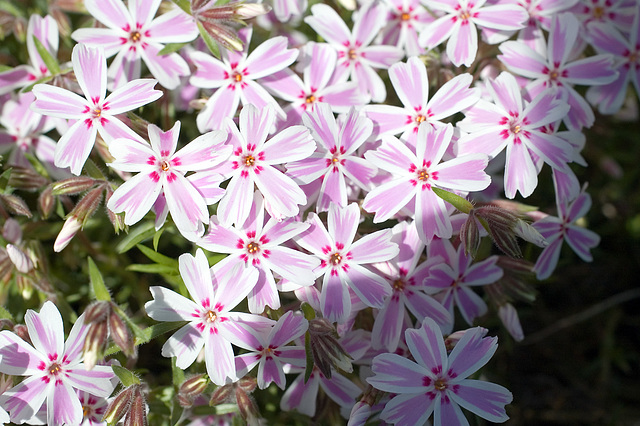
(46,330)
(167,305)
(90,68)
(185,344)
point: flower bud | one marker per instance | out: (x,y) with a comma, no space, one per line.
(69,229)
(72,186)
(117,220)
(248,407)
(94,343)
(360,413)
(46,202)
(15,205)
(119,406)
(452,340)
(528,233)
(87,206)
(325,348)
(194,386)
(500,224)
(137,415)
(26,179)
(221,395)
(509,317)
(247,384)
(251,10)
(23,332)
(120,334)
(19,259)
(97,311)
(470,235)
(11,231)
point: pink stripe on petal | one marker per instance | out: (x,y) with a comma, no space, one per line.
(196,276)
(131,156)
(74,345)
(316,237)
(507,17)
(410,82)
(397,374)
(167,305)
(187,207)
(112,13)
(328,24)
(58,102)
(393,156)
(463,44)
(174,26)
(113,128)
(223,104)
(333,190)
(465,173)
(447,412)
(370,82)
(25,399)
(289,327)
(522,60)
(485,399)
(370,19)
(562,37)
(548,259)
(63,405)
(323,126)
(204,152)
(520,173)
(343,223)
(323,61)
(581,241)
(185,344)
(107,38)
(389,119)
(292,265)
(387,327)
(256,123)
(124,68)
(133,95)
(402,409)
(74,147)
(234,206)
(370,288)
(166,68)
(471,305)
(254,94)
(136,196)
(454,96)
(270,370)
(97,381)
(427,346)
(386,200)
(218,355)
(471,353)
(90,68)
(282,195)
(18,357)
(374,247)
(334,299)
(210,72)
(354,131)
(271,56)
(432,217)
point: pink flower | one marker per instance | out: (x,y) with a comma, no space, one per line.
(412,86)
(46,31)
(320,63)
(269,350)
(254,162)
(162,169)
(436,383)
(235,78)
(356,58)
(95,114)
(336,160)
(414,174)
(341,261)
(563,228)
(260,246)
(54,369)
(134,34)
(212,324)
(286,10)
(458,24)
(517,125)
(405,20)
(557,69)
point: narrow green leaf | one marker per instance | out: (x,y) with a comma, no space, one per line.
(157,257)
(309,356)
(455,200)
(41,80)
(49,61)
(153,268)
(209,41)
(7,6)
(37,165)
(177,372)
(4,180)
(93,170)
(4,314)
(138,235)
(97,282)
(126,377)
(156,238)
(4,68)
(184,5)
(171,48)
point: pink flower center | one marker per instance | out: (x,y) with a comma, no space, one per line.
(55,369)
(598,12)
(135,36)
(405,16)
(210,316)
(398,285)
(310,99)
(440,384)
(423,174)
(249,160)
(335,258)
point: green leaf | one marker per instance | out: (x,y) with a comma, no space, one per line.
(209,41)
(171,48)
(309,356)
(4,68)
(177,372)
(126,377)
(456,201)
(4,314)
(97,282)
(184,5)
(4,180)
(41,80)
(49,61)
(93,170)
(156,238)
(136,236)
(157,257)
(10,8)
(37,165)
(153,268)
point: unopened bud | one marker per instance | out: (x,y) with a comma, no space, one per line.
(327,352)
(500,224)
(248,407)
(26,179)
(452,340)
(470,235)
(69,229)
(23,332)
(117,220)
(97,311)
(137,415)
(46,202)
(251,10)
(94,343)
(20,29)
(509,317)
(194,386)
(19,258)
(360,413)
(6,323)
(63,22)
(15,205)
(221,395)
(185,401)
(247,384)
(120,334)
(528,233)
(12,231)
(119,406)
(87,206)
(72,186)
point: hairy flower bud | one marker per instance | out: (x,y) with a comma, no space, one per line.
(12,231)
(94,343)
(194,386)
(221,395)
(46,202)
(15,205)
(19,258)
(26,178)
(72,186)
(71,226)
(500,224)
(247,406)
(119,406)
(87,206)
(23,332)
(509,317)
(325,348)
(120,334)
(137,415)
(470,235)
(97,311)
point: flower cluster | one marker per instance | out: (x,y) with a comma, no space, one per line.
(335,226)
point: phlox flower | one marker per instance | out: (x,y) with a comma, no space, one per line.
(451,280)
(335,160)
(54,368)
(212,324)
(254,162)
(286,10)
(342,260)
(259,245)
(414,174)
(436,383)
(615,14)
(316,85)
(458,24)
(234,78)
(93,409)
(46,31)
(556,69)
(269,350)
(132,34)
(563,228)
(412,87)
(161,169)
(95,114)
(356,57)
(512,123)
(626,53)
(407,279)
(405,20)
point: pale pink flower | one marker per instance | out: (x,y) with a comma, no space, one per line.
(261,246)
(436,383)
(269,350)
(616,14)
(412,87)
(336,159)
(356,57)
(512,123)
(46,31)
(133,34)
(414,174)
(316,85)
(234,78)
(94,114)
(54,368)
(458,24)
(212,325)
(286,10)
(342,260)
(161,169)
(254,163)
(556,68)
(405,20)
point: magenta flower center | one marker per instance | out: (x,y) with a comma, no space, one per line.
(398,285)
(423,174)
(335,258)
